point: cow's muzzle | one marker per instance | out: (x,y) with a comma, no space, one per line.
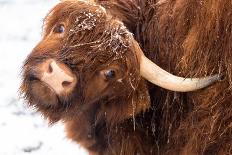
(57,76)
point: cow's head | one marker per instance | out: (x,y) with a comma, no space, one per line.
(87,59)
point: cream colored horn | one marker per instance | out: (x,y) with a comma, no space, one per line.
(162,78)
(156,75)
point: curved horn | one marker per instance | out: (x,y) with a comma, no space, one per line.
(156,75)
(162,78)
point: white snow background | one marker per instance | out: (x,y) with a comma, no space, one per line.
(22,131)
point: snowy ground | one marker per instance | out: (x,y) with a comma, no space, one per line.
(22,131)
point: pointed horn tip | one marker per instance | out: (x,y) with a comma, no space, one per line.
(156,75)
(220,77)
(215,78)
(208,80)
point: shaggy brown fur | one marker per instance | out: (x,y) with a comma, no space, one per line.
(188,38)
(185,37)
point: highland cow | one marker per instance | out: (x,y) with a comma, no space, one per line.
(94,70)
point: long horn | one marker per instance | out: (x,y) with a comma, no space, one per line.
(156,75)
(162,78)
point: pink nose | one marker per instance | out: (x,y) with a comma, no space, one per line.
(57,76)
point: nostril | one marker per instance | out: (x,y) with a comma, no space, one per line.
(32,77)
(50,69)
(66,83)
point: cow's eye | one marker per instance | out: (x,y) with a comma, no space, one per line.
(110,74)
(59,29)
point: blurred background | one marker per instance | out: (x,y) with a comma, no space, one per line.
(22,131)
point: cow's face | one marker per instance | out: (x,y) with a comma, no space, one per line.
(85,59)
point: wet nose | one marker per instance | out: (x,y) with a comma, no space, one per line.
(57,76)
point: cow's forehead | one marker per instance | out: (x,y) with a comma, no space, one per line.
(87,20)
(71,12)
